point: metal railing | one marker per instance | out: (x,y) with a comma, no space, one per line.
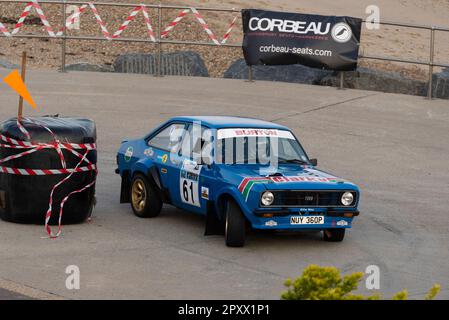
(430,63)
(159,41)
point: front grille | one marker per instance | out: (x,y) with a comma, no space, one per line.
(289,198)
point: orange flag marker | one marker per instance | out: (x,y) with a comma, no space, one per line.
(14,80)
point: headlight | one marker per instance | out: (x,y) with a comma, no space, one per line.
(267,198)
(347,198)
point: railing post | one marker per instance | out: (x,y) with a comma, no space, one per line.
(431,61)
(63,40)
(342,81)
(159,44)
(250,74)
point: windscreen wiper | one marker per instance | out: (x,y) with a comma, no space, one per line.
(298,161)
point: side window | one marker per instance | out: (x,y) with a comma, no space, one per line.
(169,138)
(197,144)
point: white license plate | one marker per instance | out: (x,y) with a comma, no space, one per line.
(298,220)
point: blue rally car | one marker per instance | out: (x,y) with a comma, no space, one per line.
(240,173)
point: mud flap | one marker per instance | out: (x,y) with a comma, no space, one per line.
(155,181)
(125,188)
(214,226)
(154,173)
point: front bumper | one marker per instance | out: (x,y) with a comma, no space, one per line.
(287,212)
(279,218)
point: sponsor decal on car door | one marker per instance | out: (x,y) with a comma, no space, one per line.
(189,182)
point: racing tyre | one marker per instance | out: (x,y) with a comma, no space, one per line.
(235,226)
(145,202)
(334,235)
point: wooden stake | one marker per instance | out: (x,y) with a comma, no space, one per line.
(24,63)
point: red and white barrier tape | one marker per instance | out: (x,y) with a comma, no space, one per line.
(40,13)
(205,26)
(58,146)
(62,208)
(45,172)
(148,23)
(50,205)
(228,33)
(34,4)
(22,18)
(22,129)
(173,24)
(100,22)
(131,18)
(71,20)
(24,144)
(4,30)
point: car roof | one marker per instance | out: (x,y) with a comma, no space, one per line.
(221,122)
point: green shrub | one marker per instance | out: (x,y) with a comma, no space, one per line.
(326,283)
(433,292)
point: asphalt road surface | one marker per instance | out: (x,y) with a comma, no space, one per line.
(395,147)
(11,295)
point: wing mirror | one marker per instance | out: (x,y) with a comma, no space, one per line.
(196,164)
(313,162)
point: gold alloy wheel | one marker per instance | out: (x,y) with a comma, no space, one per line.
(139,195)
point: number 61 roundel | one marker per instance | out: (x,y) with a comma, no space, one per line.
(188,183)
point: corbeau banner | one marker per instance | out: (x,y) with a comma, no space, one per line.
(280,38)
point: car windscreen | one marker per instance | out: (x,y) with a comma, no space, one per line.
(258,146)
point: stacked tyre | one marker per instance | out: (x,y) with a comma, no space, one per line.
(25,198)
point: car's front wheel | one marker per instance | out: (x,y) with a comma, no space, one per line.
(334,235)
(235,226)
(145,201)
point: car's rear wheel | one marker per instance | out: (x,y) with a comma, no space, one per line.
(145,202)
(334,235)
(235,226)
